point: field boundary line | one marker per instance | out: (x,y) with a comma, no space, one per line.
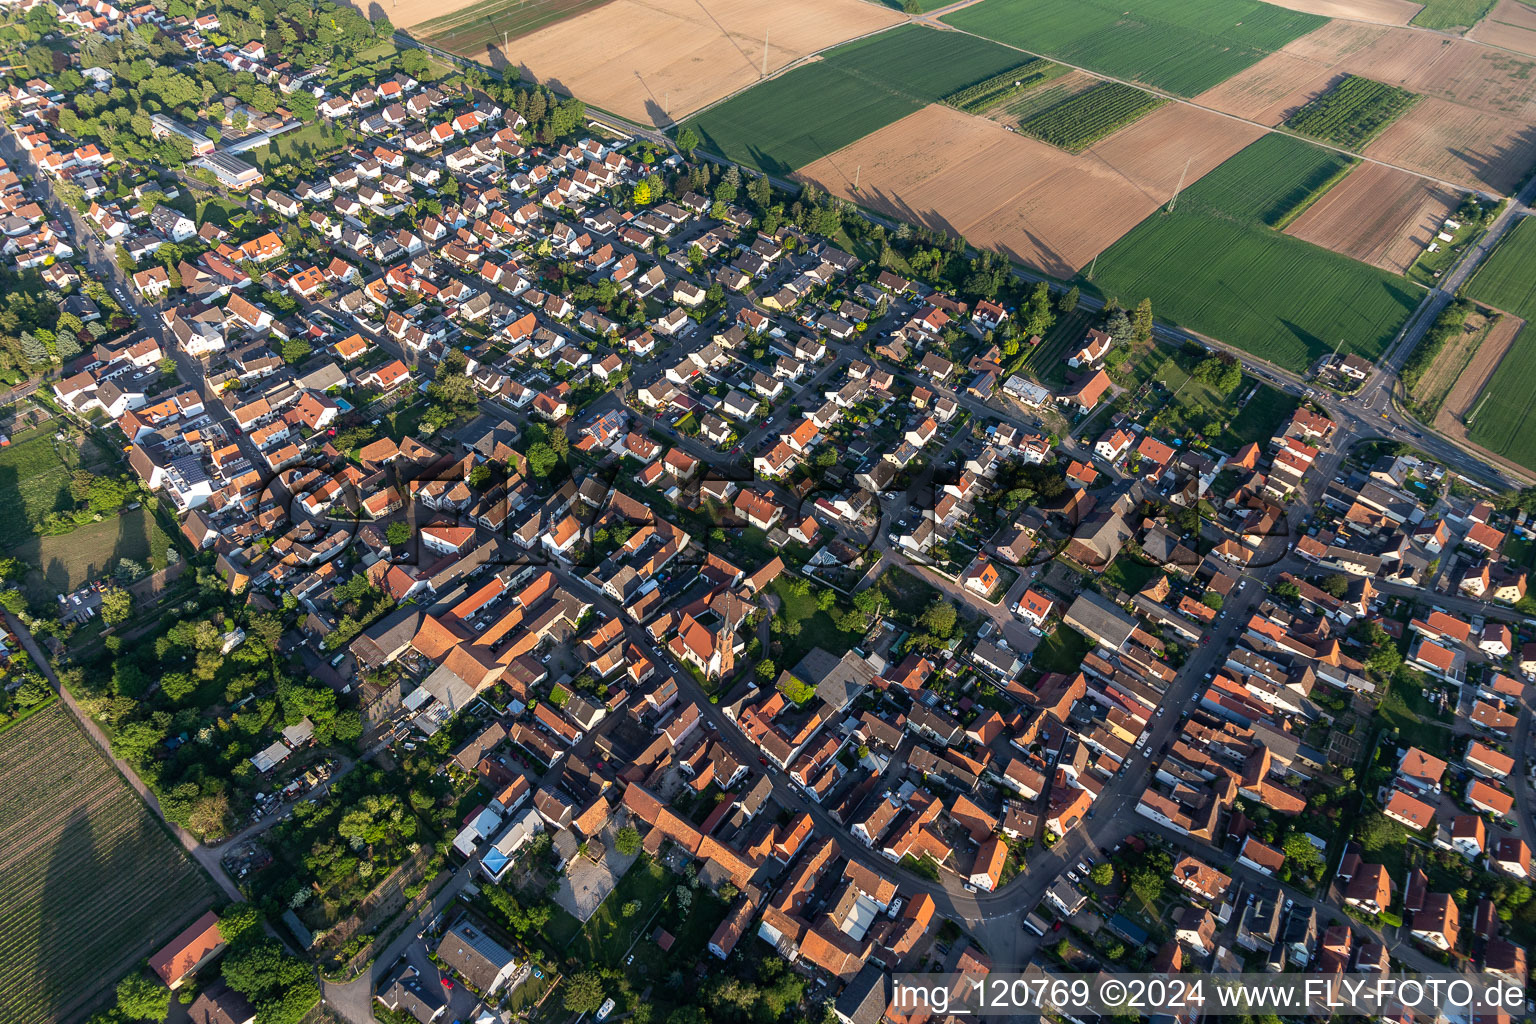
(1268,129)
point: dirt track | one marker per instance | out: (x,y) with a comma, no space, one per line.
(1005,191)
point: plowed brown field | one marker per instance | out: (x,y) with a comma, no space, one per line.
(1473,126)
(645,58)
(1473,381)
(1510,24)
(1001,190)
(1378,215)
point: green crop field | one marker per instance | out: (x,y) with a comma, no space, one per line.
(1501,421)
(469,30)
(1353,112)
(1000,88)
(1079,122)
(90,883)
(816,109)
(1451,13)
(1182,46)
(1507,280)
(1216,267)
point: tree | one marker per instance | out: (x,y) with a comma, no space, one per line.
(584,992)
(116,604)
(542,459)
(631,908)
(397,533)
(1141,321)
(1068,302)
(1102,874)
(1301,855)
(642,194)
(939,618)
(415,63)
(140,997)
(627,841)
(1211,599)
(1335,584)
(687,140)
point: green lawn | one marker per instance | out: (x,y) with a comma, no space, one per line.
(1448,14)
(816,628)
(909,595)
(1130,574)
(303,146)
(608,933)
(1413,729)
(1507,279)
(1181,46)
(1199,412)
(790,121)
(1214,266)
(1062,651)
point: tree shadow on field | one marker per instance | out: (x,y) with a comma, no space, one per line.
(63,944)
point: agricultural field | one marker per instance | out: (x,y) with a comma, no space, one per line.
(1386,12)
(1507,279)
(1451,14)
(90,883)
(1037,204)
(1079,122)
(852,91)
(66,561)
(1511,24)
(1352,113)
(1181,46)
(656,61)
(1434,385)
(1471,126)
(1500,420)
(1377,215)
(1001,88)
(491,21)
(1215,265)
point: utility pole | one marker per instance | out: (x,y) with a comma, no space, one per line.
(765,53)
(1182,174)
(856,171)
(1092,266)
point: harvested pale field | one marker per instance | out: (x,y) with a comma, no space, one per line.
(1386,12)
(1001,190)
(1472,127)
(1378,215)
(1510,24)
(656,60)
